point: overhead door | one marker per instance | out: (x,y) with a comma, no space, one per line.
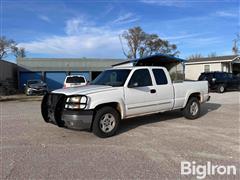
(25,76)
(55,80)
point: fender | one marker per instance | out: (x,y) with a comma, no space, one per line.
(189,93)
(120,102)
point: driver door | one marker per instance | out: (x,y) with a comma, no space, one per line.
(140,94)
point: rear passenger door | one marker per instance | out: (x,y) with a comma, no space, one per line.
(234,81)
(164,89)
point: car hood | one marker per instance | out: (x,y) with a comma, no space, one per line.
(84,90)
(37,85)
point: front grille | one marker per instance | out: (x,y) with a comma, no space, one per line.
(53,100)
(52,107)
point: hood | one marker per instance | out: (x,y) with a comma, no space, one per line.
(84,90)
(37,85)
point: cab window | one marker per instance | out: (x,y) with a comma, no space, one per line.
(140,78)
(160,76)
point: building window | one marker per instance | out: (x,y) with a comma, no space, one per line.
(207,68)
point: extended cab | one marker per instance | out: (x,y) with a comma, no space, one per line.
(121,93)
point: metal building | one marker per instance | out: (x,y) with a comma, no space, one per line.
(54,70)
(8,78)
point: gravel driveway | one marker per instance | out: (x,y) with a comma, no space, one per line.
(150,147)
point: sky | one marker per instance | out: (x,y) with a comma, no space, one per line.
(91,28)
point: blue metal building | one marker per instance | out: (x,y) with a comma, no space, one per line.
(54,70)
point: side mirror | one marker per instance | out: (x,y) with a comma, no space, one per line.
(133,85)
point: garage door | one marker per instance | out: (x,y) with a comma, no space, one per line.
(55,80)
(25,76)
(85,74)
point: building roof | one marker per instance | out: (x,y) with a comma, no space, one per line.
(154,59)
(65,64)
(7,62)
(213,59)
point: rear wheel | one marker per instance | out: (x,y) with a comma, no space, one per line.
(106,122)
(221,88)
(192,109)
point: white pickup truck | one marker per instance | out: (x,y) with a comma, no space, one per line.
(119,93)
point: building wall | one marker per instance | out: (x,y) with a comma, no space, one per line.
(8,77)
(193,71)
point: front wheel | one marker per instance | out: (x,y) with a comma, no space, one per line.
(192,109)
(106,122)
(221,88)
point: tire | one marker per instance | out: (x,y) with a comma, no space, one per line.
(106,122)
(192,109)
(221,88)
(44,107)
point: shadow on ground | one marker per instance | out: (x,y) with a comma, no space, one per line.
(132,123)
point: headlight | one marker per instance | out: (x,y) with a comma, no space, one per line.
(76,102)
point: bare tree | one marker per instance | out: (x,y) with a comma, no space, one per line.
(195,56)
(141,44)
(135,37)
(8,46)
(212,54)
(5,46)
(235,48)
(18,52)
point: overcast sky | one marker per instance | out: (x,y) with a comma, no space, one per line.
(81,28)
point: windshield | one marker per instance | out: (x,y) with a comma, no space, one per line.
(34,82)
(114,77)
(75,79)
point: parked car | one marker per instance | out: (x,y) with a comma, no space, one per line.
(121,93)
(35,87)
(221,81)
(74,81)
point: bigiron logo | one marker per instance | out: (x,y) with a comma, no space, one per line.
(208,169)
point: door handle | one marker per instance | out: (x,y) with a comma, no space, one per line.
(153,91)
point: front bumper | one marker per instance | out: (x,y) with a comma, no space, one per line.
(36,91)
(53,111)
(77,119)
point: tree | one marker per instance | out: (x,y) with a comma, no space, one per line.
(195,56)
(212,54)
(235,48)
(18,52)
(142,44)
(135,37)
(8,46)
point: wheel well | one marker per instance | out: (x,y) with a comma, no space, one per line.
(197,95)
(114,105)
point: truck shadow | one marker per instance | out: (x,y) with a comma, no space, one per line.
(132,123)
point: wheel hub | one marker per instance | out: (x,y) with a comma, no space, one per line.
(194,108)
(107,122)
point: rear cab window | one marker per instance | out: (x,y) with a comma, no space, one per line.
(75,79)
(160,76)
